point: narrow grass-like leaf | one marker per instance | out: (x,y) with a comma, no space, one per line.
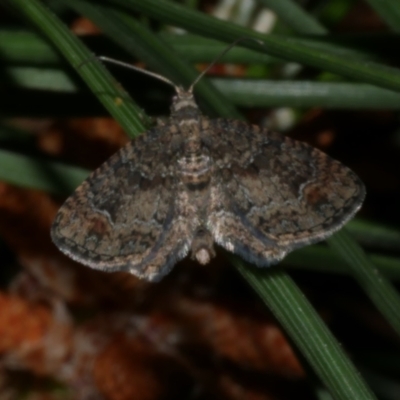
(295,17)
(49,79)
(377,287)
(389,10)
(307,330)
(264,93)
(40,174)
(361,46)
(323,259)
(205,25)
(377,235)
(25,47)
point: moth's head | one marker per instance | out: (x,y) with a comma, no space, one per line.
(184,105)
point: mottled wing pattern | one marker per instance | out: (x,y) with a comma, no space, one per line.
(273,194)
(123,216)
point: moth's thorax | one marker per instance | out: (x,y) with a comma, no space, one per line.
(194,164)
(195,168)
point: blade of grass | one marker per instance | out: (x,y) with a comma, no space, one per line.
(35,173)
(25,47)
(303,94)
(307,330)
(196,22)
(294,16)
(377,287)
(377,46)
(322,259)
(373,234)
(389,10)
(49,79)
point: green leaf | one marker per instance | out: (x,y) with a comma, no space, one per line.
(28,48)
(294,16)
(307,330)
(303,94)
(376,286)
(389,10)
(39,174)
(196,22)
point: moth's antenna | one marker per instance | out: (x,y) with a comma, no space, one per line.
(233,44)
(144,71)
(130,66)
(163,78)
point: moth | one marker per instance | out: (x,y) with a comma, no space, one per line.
(192,182)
